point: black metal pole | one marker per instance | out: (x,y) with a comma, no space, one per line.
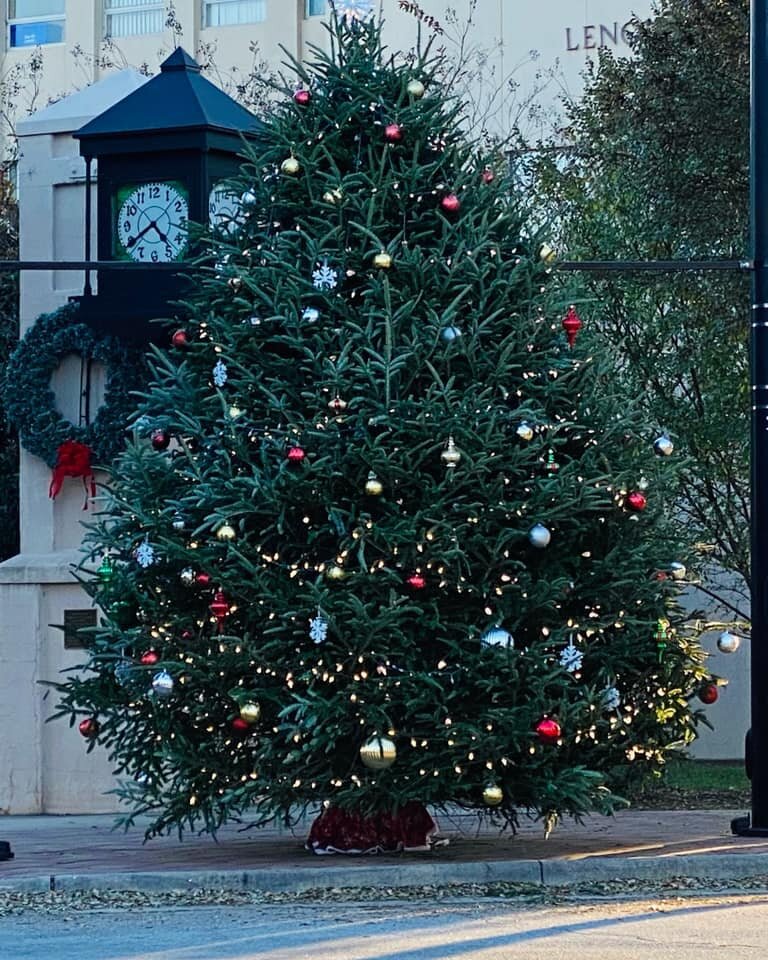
(757,823)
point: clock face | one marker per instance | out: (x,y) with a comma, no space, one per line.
(224,209)
(151,221)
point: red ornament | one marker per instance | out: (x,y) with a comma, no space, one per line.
(240,726)
(149,658)
(450,203)
(416,581)
(636,501)
(488,175)
(302,97)
(296,454)
(187,635)
(548,730)
(73,459)
(160,439)
(203,579)
(393,133)
(89,728)
(709,693)
(571,324)
(219,607)
(180,338)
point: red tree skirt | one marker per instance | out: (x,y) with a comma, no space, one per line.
(343,831)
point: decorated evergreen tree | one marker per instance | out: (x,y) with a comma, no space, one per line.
(387,535)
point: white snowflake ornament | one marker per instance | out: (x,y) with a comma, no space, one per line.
(325,277)
(355,9)
(318,628)
(571,658)
(220,374)
(145,554)
(611,698)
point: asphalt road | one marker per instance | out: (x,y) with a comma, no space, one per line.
(732,928)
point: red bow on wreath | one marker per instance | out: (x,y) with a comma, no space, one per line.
(73,459)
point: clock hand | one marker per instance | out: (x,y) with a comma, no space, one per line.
(132,241)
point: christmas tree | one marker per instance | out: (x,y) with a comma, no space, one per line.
(387,534)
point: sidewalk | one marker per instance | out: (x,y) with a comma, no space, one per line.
(83,852)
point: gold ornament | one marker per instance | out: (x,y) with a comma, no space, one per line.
(290,166)
(416,89)
(451,455)
(378,753)
(382,260)
(333,196)
(250,712)
(373,486)
(492,795)
(547,254)
(335,572)
(225,533)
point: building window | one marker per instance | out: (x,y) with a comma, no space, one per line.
(32,23)
(224,13)
(127,18)
(316,8)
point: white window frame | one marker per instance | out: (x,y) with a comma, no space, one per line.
(20,21)
(209,5)
(137,6)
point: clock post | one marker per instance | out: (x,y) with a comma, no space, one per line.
(163,153)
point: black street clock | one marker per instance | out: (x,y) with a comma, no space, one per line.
(163,154)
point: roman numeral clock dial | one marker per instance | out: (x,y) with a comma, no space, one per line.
(151,222)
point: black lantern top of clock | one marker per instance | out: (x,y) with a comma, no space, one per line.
(164,153)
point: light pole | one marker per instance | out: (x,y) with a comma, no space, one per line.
(756,824)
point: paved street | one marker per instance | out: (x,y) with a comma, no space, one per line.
(731,928)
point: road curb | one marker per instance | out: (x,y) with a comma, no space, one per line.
(546,873)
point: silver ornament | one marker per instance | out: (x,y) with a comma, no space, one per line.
(178,522)
(728,642)
(524,430)
(498,637)
(539,536)
(677,571)
(162,684)
(450,333)
(310,315)
(663,446)
(187,576)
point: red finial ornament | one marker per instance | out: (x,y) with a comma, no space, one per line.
(302,97)
(149,658)
(636,501)
(450,203)
(179,338)
(89,728)
(709,693)
(393,133)
(548,730)
(416,581)
(219,607)
(203,579)
(488,175)
(160,439)
(296,454)
(240,726)
(571,324)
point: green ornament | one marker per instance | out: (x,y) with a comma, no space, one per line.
(106,571)
(661,638)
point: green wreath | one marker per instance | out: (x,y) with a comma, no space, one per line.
(30,403)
